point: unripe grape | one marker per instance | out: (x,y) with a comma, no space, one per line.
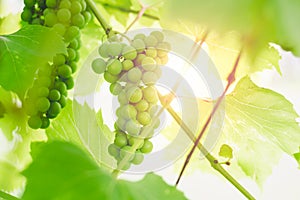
(138,158)
(71,54)
(59,59)
(113,150)
(114,49)
(148,64)
(74,44)
(73,66)
(139,36)
(142,105)
(122,98)
(150,41)
(150,94)
(158,61)
(43,92)
(65,4)
(134,75)
(42,104)
(134,140)
(61,87)
(35,122)
(71,33)
(115,88)
(87,15)
(144,118)
(69,83)
(50,19)
(54,95)
(64,15)
(54,110)
(51,3)
(151,52)
(158,35)
(147,131)
(120,140)
(149,78)
(99,66)
(153,109)
(76,7)
(134,94)
(103,50)
(125,152)
(29,3)
(129,112)
(64,71)
(37,21)
(147,147)
(164,60)
(45,122)
(138,60)
(26,14)
(62,101)
(127,65)
(132,127)
(126,166)
(121,122)
(110,77)
(114,67)
(129,52)
(78,20)
(139,45)
(155,122)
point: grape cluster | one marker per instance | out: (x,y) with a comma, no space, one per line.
(48,94)
(132,71)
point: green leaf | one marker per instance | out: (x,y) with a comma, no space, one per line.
(226,151)
(81,178)
(21,53)
(10,177)
(2,110)
(297,157)
(263,125)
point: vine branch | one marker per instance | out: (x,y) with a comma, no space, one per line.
(7,196)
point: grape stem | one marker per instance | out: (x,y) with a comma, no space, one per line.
(7,196)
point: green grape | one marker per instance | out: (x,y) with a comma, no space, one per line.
(134,75)
(99,66)
(59,28)
(149,78)
(35,122)
(83,4)
(142,105)
(65,4)
(120,140)
(151,52)
(121,122)
(150,94)
(48,10)
(132,127)
(134,94)
(158,71)
(125,152)
(74,44)
(43,92)
(76,7)
(139,59)
(148,131)
(113,150)
(64,15)
(110,77)
(114,67)
(71,33)
(139,45)
(26,14)
(62,101)
(87,15)
(71,54)
(45,122)
(59,59)
(158,35)
(50,19)
(114,49)
(128,111)
(61,87)
(43,81)
(54,110)
(127,65)
(129,85)
(69,83)
(122,98)
(42,104)
(64,71)
(29,3)
(134,140)
(139,36)
(147,147)
(54,95)
(126,166)
(37,21)
(30,108)
(138,158)
(148,64)
(115,88)
(103,50)
(144,118)
(73,66)
(150,41)
(51,3)
(153,110)
(129,52)
(164,60)
(78,20)
(155,122)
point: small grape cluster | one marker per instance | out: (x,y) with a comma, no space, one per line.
(132,71)
(48,94)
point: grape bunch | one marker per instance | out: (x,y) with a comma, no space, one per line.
(132,69)
(48,94)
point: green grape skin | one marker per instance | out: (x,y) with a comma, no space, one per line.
(129,85)
(45,122)
(139,45)
(134,140)
(144,118)
(37,21)
(64,71)
(73,66)
(78,20)
(127,65)
(121,122)
(71,54)
(110,77)
(83,4)
(147,147)
(59,59)
(158,35)
(155,122)
(142,105)
(128,112)
(54,95)
(150,94)
(150,41)
(114,67)
(59,28)
(29,3)
(65,4)
(149,78)
(132,127)
(76,7)
(138,158)
(139,36)
(148,131)
(43,104)
(122,98)
(71,33)
(54,110)
(103,50)
(126,166)
(26,14)
(153,109)
(129,52)
(99,66)
(74,44)
(87,16)
(63,15)
(138,60)
(42,92)
(151,52)
(125,151)
(69,83)
(113,150)
(164,60)
(149,64)
(63,101)
(120,140)
(61,87)
(115,88)
(114,49)
(35,122)
(158,71)
(50,19)
(51,3)
(134,75)
(134,94)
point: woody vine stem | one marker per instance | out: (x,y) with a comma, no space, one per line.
(166,104)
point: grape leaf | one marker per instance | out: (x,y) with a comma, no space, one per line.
(297,157)
(10,176)
(226,151)
(81,178)
(2,110)
(21,53)
(260,124)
